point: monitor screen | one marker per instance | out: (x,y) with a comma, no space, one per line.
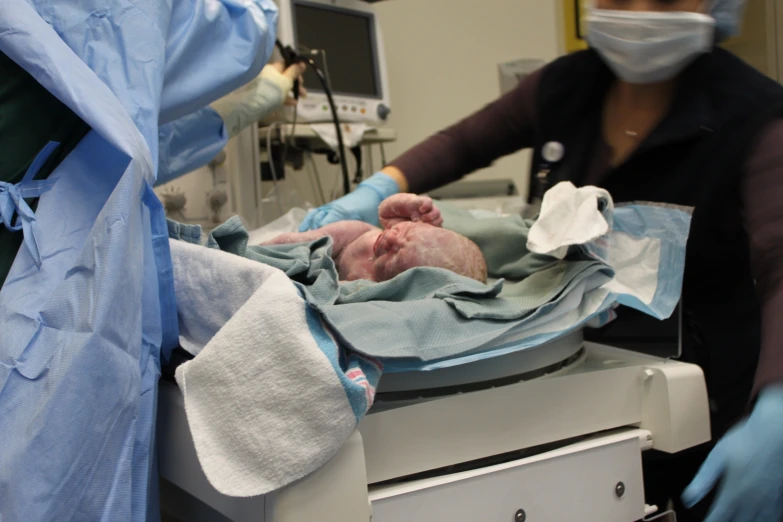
(348,39)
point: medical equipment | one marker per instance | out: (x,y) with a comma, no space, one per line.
(293,57)
(552,432)
(344,38)
(551,154)
(555,433)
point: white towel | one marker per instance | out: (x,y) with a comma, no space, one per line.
(569,216)
(263,401)
(352,133)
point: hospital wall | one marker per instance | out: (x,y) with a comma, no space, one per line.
(442,58)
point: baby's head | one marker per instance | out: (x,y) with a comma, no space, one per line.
(412,244)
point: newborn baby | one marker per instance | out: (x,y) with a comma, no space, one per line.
(411,237)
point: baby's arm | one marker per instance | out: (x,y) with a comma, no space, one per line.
(343,233)
(408,207)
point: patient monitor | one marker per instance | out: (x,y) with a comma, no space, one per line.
(344,37)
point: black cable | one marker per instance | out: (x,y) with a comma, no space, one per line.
(291,56)
(357,153)
(296,116)
(335,118)
(290,139)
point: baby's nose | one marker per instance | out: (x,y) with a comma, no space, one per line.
(394,239)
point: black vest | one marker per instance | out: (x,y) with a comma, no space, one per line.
(695,157)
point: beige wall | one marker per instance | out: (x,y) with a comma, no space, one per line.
(442,59)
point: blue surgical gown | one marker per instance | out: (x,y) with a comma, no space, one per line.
(82,335)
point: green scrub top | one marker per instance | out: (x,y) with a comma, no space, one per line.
(30,117)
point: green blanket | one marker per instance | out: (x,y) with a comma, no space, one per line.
(521,283)
(424,313)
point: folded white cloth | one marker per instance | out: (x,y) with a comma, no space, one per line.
(264,402)
(570,216)
(352,133)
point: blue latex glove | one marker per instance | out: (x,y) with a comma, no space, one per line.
(749,460)
(360,205)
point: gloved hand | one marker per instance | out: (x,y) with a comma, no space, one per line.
(292,73)
(749,462)
(360,205)
(264,94)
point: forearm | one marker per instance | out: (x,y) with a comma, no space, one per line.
(189,143)
(236,39)
(246,106)
(770,368)
(762,192)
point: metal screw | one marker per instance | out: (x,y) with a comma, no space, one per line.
(520,516)
(619,490)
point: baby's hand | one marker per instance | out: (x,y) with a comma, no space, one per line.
(408,207)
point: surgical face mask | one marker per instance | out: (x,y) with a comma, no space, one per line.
(647,47)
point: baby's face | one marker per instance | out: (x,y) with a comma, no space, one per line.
(412,244)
